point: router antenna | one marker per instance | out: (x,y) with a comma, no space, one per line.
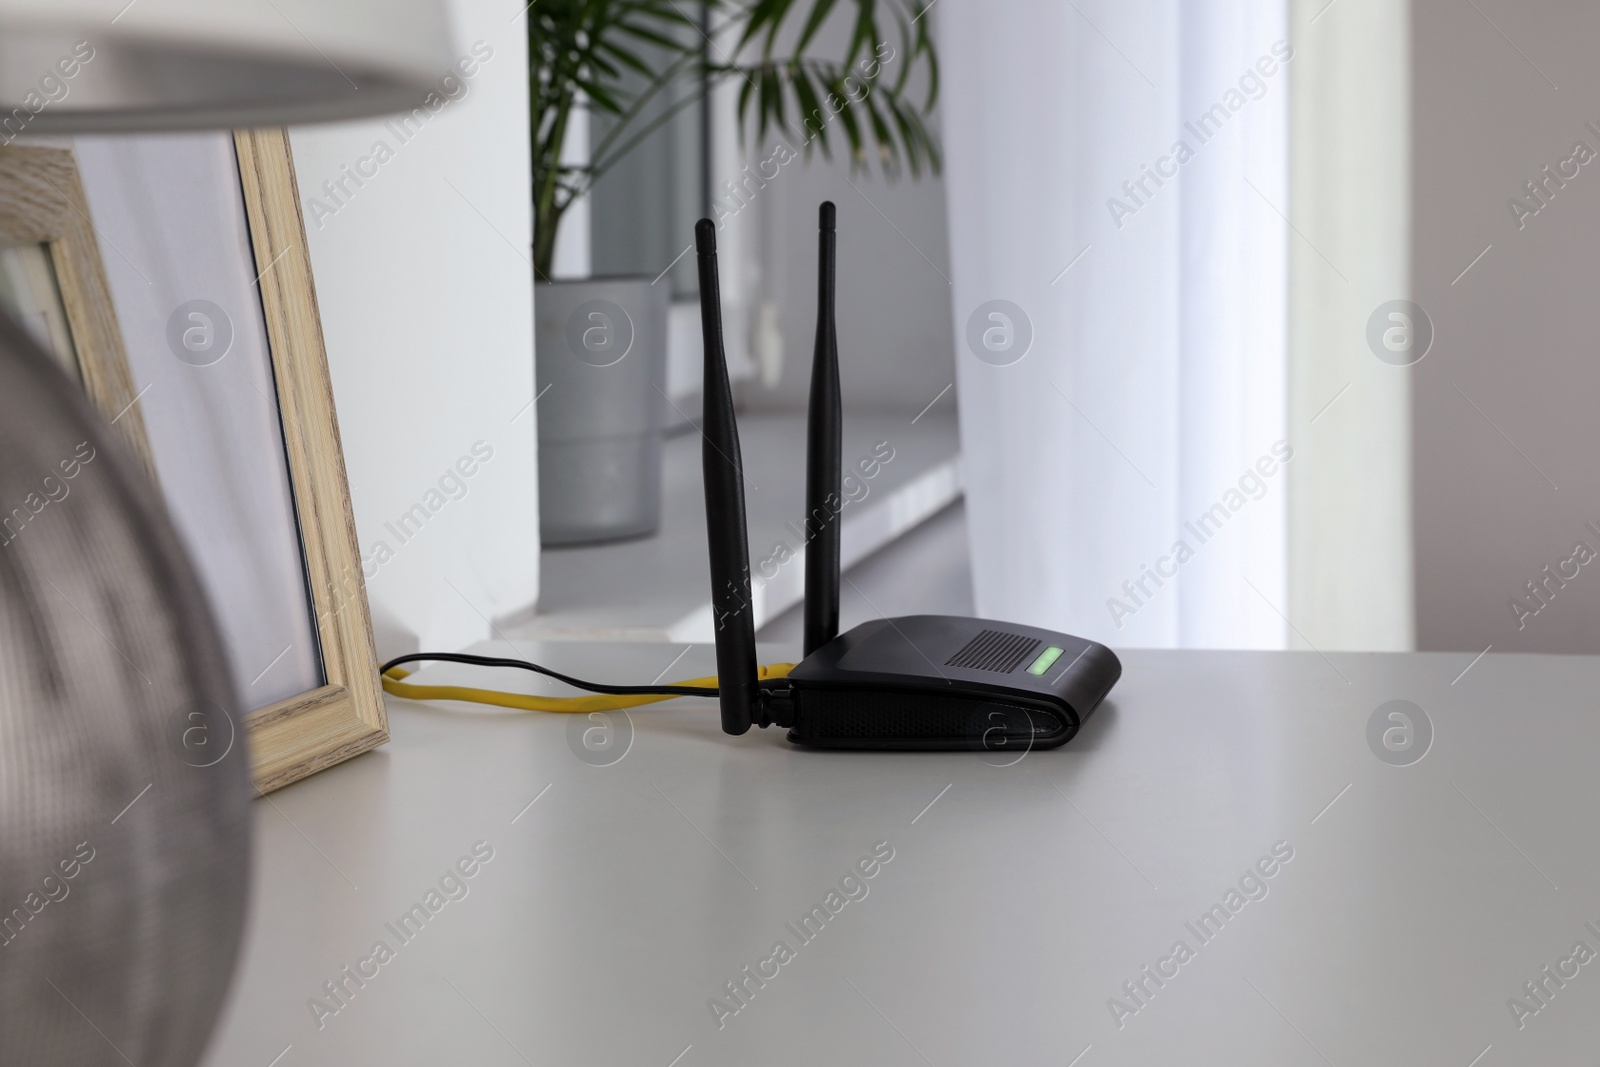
(824,429)
(726,534)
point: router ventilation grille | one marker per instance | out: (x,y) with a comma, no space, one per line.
(994,650)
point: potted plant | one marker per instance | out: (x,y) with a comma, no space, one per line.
(602,342)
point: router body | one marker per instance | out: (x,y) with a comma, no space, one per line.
(947,682)
(918,682)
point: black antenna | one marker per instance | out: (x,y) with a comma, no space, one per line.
(726,535)
(824,429)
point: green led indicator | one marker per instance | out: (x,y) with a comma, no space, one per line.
(1046,658)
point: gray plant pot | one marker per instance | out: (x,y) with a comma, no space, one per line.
(601,371)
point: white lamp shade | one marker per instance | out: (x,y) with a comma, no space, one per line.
(78,66)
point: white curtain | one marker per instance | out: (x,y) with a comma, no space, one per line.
(1117,174)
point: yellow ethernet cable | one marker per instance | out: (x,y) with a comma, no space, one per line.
(394,684)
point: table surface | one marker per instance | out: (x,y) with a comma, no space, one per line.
(629,885)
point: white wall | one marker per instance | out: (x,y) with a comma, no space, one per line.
(1350,495)
(425,285)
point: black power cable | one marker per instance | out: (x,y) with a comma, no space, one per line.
(576,683)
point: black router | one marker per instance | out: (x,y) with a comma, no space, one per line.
(916,682)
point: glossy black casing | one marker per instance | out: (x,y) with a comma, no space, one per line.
(925,682)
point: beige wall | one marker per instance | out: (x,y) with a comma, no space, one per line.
(1505,487)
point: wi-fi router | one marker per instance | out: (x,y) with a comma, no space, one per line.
(915,682)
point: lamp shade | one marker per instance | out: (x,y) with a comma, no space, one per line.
(124,777)
(79,66)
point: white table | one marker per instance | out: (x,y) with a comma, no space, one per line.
(1019,899)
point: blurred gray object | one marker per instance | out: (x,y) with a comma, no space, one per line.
(103,66)
(124,779)
(601,370)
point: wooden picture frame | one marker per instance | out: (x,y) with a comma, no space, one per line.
(43,200)
(42,203)
(346,715)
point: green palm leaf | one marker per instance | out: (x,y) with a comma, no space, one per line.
(580,50)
